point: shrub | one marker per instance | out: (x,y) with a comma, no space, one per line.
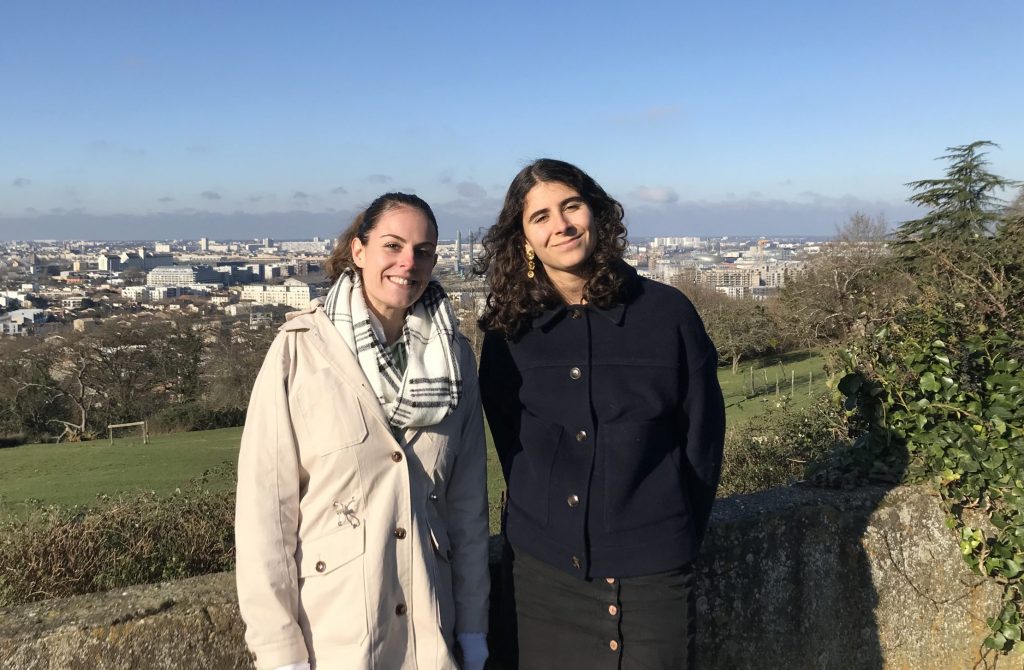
(12,441)
(51,552)
(196,416)
(780,446)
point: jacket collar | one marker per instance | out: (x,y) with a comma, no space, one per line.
(616,313)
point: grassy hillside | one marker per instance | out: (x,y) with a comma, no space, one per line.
(74,474)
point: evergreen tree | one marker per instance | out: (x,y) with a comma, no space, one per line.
(962,205)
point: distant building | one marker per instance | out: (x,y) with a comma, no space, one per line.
(458,252)
(21,321)
(109,262)
(183,275)
(292,293)
(73,302)
(729,277)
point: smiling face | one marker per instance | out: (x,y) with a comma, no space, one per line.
(559,228)
(396,261)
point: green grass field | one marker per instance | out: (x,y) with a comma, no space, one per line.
(801,372)
(74,474)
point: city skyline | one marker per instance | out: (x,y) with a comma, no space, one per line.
(158,122)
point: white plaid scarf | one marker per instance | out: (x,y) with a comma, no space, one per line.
(430,387)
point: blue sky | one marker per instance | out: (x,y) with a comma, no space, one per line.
(245,119)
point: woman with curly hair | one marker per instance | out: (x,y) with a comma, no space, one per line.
(601,392)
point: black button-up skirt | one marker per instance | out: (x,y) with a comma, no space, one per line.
(636,623)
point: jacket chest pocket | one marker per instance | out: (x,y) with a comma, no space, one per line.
(330,411)
(332,589)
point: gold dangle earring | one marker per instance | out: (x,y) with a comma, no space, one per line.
(530,267)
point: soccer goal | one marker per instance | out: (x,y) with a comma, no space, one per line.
(133,429)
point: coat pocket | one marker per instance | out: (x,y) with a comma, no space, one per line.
(332,589)
(642,478)
(531,469)
(331,411)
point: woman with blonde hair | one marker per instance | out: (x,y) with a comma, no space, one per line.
(601,391)
(361,520)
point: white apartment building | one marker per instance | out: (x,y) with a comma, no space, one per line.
(73,302)
(676,242)
(136,293)
(729,277)
(292,293)
(172,275)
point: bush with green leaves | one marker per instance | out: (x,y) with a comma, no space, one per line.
(50,552)
(939,383)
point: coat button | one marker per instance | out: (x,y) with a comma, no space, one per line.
(396,456)
(433,496)
(614,645)
(575,562)
(576,313)
(320,566)
(401,609)
(613,610)
(581,435)
(575,373)
(400,533)
(573,500)
(610,580)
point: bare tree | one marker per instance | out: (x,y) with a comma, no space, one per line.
(842,285)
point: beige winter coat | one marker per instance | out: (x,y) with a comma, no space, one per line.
(353,549)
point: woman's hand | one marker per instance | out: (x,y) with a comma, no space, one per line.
(474,650)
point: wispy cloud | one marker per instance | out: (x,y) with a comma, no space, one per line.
(471,190)
(300,195)
(660,195)
(340,190)
(379,179)
(21,182)
(166,198)
(653,114)
(210,195)
(106,148)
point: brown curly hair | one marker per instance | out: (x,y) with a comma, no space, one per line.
(340,259)
(514,300)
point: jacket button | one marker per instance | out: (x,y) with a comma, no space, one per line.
(576,313)
(401,609)
(614,645)
(613,610)
(610,580)
(575,373)
(573,500)
(580,436)
(400,533)
(320,566)
(433,496)
(575,562)
(396,456)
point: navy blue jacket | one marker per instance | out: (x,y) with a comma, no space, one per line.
(609,425)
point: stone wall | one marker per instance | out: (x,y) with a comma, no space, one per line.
(791,578)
